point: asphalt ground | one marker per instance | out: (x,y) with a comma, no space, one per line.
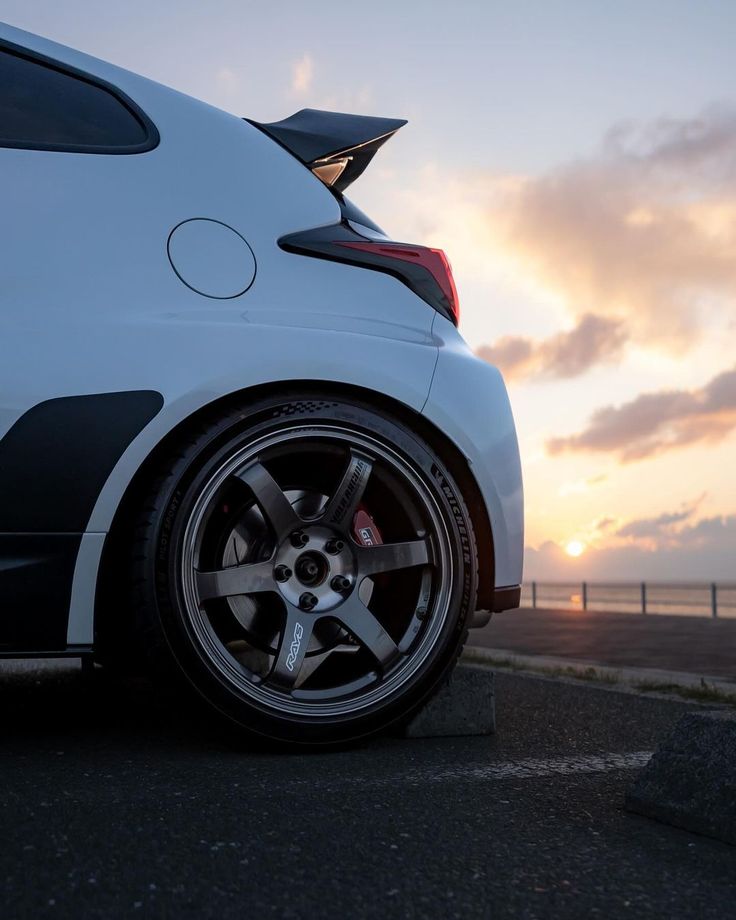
(117,802)
(698,645)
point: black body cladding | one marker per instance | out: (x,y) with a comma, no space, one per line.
(319,139)
(324,243)
(56,458)
(54,462)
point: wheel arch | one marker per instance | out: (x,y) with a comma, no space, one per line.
(109,619)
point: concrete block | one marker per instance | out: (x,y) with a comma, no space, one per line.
(691,779)
(464,706)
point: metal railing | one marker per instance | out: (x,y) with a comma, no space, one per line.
(712,599)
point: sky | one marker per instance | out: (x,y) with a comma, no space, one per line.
(576,159)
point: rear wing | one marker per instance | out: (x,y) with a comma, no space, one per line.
(337,147)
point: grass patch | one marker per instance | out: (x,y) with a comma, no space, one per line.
(509,663)
(589,673)
(702,693)
(581,673)
(699,693)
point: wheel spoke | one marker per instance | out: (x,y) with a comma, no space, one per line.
(341,507)
(312,664)
(238,579)
(275,506)
(389,557)
(293,646)
(364,626)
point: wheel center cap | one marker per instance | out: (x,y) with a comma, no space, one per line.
(311,569)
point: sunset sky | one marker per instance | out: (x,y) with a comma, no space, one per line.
(577,161)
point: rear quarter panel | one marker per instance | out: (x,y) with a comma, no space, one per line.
(89,302)
(469,402)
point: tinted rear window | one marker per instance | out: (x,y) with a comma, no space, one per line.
(46,108)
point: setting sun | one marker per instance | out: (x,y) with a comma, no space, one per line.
(575,548)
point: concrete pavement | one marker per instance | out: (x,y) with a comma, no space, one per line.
(117,802)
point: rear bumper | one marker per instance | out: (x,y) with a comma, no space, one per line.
(507,598)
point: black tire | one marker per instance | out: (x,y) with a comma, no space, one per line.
(201,520)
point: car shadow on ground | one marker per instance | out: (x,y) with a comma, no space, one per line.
(47,702)
(59,701)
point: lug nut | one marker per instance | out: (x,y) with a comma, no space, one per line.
(333,547)
(282,573)
(307,601)
(340,583)
(299,538)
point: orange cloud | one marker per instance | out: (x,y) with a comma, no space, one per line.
(649,528)
(703,550)
(594,339)
(645,230)
(302,74)
(656,422)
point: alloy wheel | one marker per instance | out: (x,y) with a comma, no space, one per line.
(316,570)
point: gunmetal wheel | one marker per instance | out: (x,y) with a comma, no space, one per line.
(311,568)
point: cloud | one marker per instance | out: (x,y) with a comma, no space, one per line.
(703,551)
(594,339)
(663,529)
(644,230)
(580,486)
(641,232)
(604,523)
(653,423)
(653,527)
(302,74)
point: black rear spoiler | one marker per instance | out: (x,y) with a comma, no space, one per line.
(335,146)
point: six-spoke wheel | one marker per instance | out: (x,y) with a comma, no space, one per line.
(312,570)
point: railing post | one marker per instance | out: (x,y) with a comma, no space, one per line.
(534,595)
(643,597)
(714,600)
(585,595)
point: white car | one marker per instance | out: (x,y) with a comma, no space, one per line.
(239,429)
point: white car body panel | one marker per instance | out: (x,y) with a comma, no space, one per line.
(469,402)
(90,303)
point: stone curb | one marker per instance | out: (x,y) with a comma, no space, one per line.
(465,705)
(690,781)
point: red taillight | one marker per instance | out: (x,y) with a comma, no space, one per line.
(434,260)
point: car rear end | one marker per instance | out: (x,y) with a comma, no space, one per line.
(467,401)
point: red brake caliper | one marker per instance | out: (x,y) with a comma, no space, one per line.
(364,528)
